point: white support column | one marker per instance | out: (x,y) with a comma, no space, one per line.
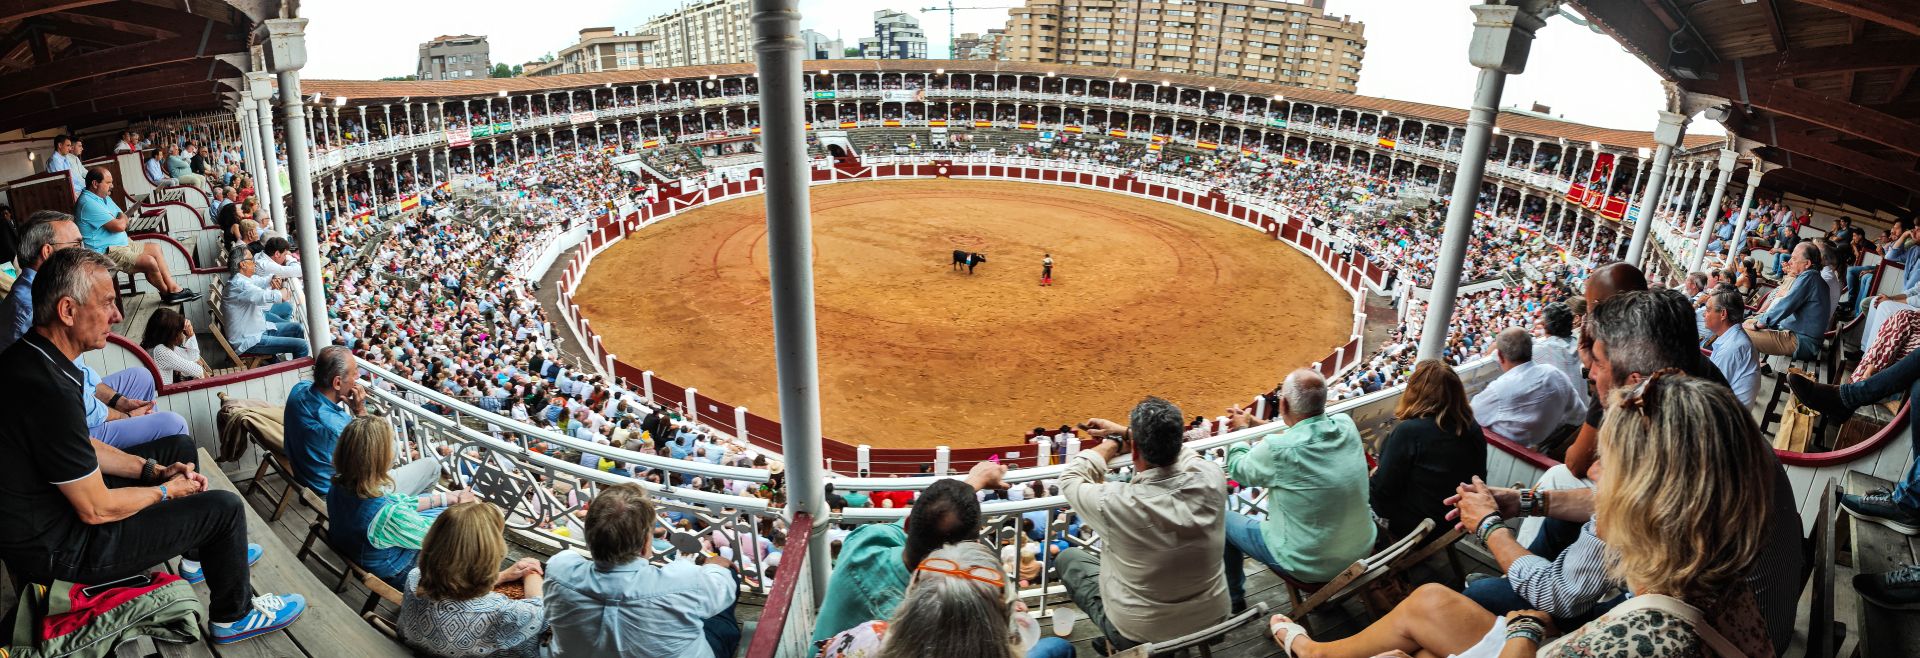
(1702,172)
(776,25)
(1738,248)
(740,424)
(646,384)
(1502,37)
(1668,133)
(260,84)
(286,54)
(693,404)
(1710,216)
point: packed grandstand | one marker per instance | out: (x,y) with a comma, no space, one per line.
(361,315)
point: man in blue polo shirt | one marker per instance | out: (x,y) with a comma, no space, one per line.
(104,229)
(314,419)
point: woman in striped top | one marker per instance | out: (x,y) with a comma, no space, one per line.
(378,529)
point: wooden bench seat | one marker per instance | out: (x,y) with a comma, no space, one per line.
(329,627)
(1877,549)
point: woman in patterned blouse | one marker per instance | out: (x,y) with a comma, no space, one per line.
(450,607)
(1684,522)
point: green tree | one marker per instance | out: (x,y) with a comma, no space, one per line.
(396,77)
(517,72)
(502,71)
(852,52)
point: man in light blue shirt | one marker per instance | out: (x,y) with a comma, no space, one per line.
(1794,323)
(62,160)
(1732,353)
(103,227)
(619,604)
(1529,400)
(45,232)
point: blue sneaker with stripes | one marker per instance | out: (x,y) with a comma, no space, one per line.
(194,574)
(271,612)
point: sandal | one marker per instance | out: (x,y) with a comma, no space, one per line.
(1284,631)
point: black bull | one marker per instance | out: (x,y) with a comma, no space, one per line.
(968,259)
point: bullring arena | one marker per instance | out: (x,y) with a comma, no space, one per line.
(1147,296)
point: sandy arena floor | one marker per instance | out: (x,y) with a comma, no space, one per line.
(1148,299)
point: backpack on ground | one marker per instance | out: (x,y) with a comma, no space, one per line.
(68,619)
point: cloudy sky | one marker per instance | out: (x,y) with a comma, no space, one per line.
(1416,48)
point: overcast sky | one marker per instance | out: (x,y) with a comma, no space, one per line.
(1416,49)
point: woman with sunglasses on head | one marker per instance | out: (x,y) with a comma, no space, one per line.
(959,604)
(1681,517)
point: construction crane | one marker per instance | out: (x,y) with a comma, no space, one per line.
(953,38)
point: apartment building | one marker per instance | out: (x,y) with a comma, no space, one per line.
(896,35)
(599,49)
(974,45)
(454,58)
(710,32)
(819,46)
(1261,40)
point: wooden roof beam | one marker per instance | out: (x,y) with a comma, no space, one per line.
(1785,99)
(1827,59)
(13,10)
(1774,28)
(190,98)
(120,85)
(115,60)
(142,17)
(1903,15)
(1894,173)
(1857,187)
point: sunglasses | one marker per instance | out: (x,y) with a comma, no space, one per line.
(984,574)
(1645,396)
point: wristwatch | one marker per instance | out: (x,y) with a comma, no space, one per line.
(150,471)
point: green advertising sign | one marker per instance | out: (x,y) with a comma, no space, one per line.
(482,131)
(1277,123)
(823,95)
(502,127)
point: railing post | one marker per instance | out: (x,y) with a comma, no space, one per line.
(693,406)
(740,424)
(863,458)
(646,384)
(942,460)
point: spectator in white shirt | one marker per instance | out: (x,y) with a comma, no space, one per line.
(169,339)
(276,259)
(1530,400)
(1732,353)
(1555,346)
(244,307)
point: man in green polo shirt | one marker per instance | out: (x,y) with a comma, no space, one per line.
(1315,472)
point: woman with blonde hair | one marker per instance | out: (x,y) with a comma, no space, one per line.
(378,529)
(1682,503)
(958,604)
(449,607)
(1435,446)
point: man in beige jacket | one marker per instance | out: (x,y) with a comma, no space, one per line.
(1158,575)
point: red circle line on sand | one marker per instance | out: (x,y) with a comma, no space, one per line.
(1256,308)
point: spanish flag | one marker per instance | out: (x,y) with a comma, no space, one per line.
(1210,146)
(1386,142)
(1154,146)
(1246,152)
(849,124)
(1116,132)
(444,186)
(1027,125)
(410,202)
(937,123)
(1074,129)
(651,143)
(982,123)
(891,123)
(756,129)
